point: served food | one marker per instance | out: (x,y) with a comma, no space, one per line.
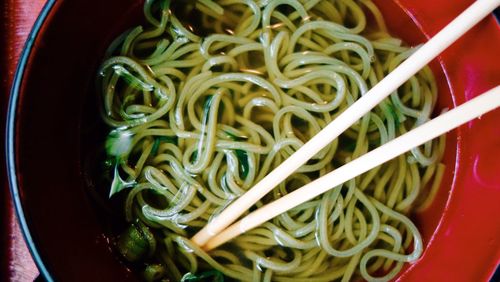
(212,95)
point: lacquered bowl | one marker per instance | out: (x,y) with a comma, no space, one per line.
(53,130)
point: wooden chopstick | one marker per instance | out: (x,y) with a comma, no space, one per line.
(426,132)
(454,30)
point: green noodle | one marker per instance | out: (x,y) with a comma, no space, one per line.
(199,119)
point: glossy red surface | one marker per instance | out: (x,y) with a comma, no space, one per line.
(460,230)
(16,19)
(466,244)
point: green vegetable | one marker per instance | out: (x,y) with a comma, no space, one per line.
(153,272)
(118,143)
(134,244)
(163,139)
(194,156)
(234,137)
(243,161)
(207,105)
(212,276)
(118,183)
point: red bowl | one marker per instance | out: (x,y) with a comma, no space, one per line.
(53,129)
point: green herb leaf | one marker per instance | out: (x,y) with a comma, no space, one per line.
(194,156)
(207,105)
(163,139)
(243,162)
(234,137)
(118,183)
(213,276)
(132,244)
(153,272)
(118,143)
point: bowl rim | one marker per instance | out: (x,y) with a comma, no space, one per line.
(10,136)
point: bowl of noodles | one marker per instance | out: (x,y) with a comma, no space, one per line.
(133,123)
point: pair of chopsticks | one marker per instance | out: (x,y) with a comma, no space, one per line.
(215,232)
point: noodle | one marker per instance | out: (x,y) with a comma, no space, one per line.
(201,112)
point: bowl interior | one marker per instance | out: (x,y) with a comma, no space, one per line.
(57,129)
(57,86)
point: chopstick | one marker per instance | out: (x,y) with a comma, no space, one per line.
(426,132)
(449,34)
